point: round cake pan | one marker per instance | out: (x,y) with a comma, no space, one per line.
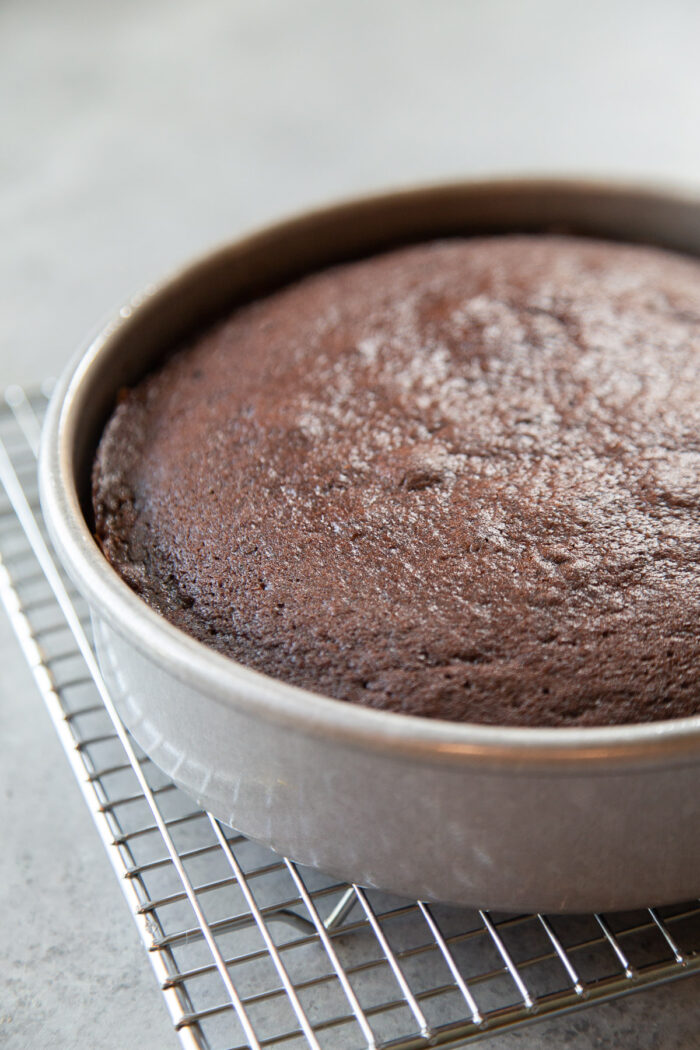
(505,818)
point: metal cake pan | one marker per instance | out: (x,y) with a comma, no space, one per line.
(504,818)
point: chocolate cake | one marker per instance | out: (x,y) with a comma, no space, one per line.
(458,480)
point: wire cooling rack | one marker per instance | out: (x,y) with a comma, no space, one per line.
(251,950)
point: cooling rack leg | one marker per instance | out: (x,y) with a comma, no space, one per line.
(342,909)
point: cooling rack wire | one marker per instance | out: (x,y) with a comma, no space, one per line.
(250,949)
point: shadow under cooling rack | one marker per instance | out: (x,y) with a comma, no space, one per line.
(250,949)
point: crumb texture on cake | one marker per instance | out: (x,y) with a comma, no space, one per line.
(458,480)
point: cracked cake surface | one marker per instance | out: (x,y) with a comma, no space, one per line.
(459,479)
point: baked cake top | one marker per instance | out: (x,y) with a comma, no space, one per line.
(460,480)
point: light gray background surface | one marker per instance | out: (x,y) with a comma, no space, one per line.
(134,134)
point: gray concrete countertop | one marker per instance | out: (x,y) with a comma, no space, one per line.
(134,135)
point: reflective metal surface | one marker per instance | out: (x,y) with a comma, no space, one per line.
(537,819)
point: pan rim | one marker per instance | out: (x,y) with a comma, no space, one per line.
(518,748)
